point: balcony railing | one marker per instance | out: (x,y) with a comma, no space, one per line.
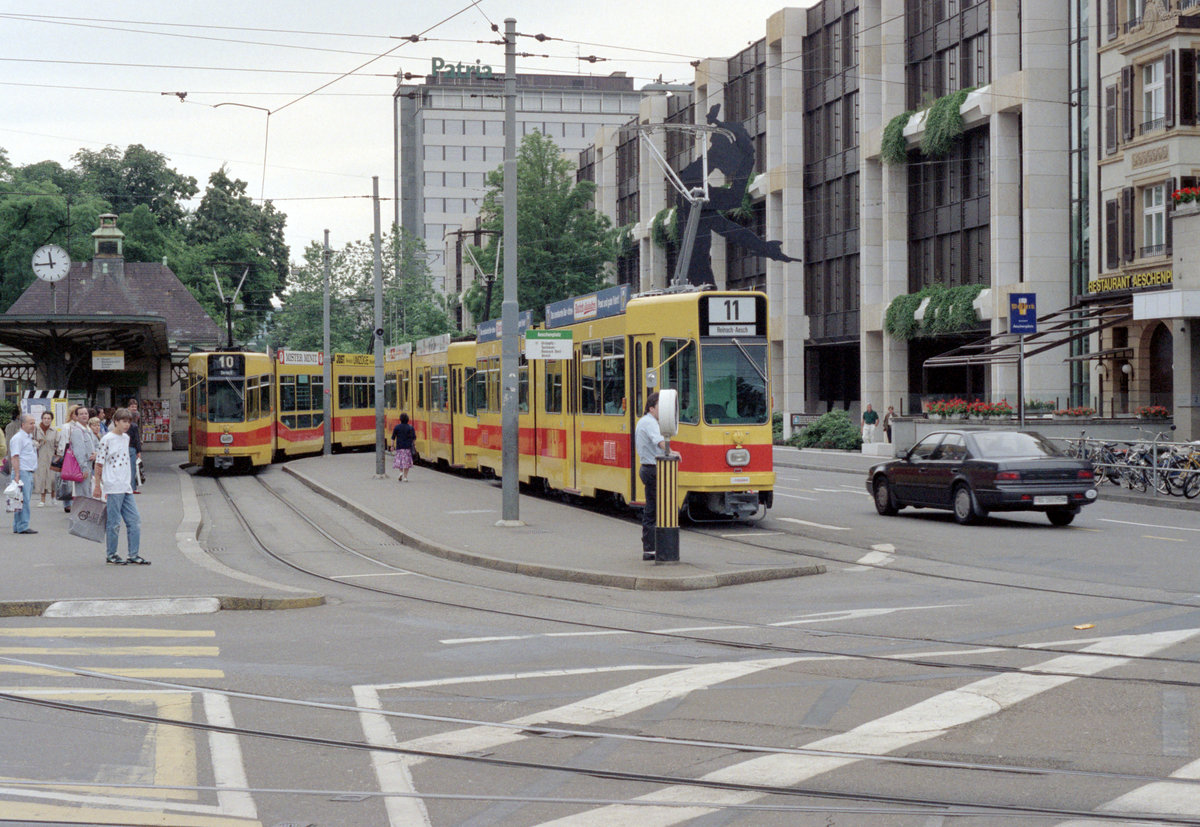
(1151,126)
(1154,250)
(1184,5)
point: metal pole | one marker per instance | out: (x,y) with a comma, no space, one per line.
(511,512)
(327,418)
(1021,385)
(378,270)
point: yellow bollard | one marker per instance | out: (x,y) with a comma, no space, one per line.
(666,523)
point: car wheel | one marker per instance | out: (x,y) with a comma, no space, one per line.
(964,505)
(1060,516)
(884,503)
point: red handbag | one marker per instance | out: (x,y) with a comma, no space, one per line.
(70,469)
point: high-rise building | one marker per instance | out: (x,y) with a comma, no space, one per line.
(450,135)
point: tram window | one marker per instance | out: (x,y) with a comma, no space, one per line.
(345,391)
(252,398)
(264,395)
(735,391)
(364,392)
(404,392)
(589,378)
(680,373)
(201,400)
(389,391)
(304,397)
(494,383)
(287,394)
(614,376)
(523,389)
(225,396)
(470,407)
(303,421)
(318,392)
(289,421)
(318,419)
(554,386)
(421,391)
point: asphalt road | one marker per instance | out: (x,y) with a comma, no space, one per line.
(1021,672)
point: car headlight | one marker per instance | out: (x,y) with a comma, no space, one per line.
(226,439)
(737,457)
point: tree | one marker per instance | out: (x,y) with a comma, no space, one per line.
(563,245)
(228,233)
(413,309)
(136,177)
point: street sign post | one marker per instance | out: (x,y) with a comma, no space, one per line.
(548,344)
(1022,320)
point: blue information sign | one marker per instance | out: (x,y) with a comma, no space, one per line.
(1022,313)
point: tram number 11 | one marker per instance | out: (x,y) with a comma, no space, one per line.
(729,316)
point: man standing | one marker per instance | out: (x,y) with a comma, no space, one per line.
(113,482)
(135,443)
(869,420)
(651,445)
(24,464)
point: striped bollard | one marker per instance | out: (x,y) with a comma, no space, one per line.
(666,523)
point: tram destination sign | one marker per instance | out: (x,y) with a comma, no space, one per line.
(731,316)
(397,353)
(356,359)
(226,365)
(548,344)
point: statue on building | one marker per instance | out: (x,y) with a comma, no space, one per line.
(734,158)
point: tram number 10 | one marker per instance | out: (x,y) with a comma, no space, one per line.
(731,316)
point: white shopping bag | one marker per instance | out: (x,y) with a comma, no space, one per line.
(14,500)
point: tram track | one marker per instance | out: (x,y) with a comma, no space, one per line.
(967,646)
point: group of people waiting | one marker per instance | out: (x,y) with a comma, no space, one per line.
(106,448)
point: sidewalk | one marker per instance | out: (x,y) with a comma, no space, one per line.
(454,516)
(54,574)
(813,459)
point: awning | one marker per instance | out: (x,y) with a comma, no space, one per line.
(52,343)
(1061,327)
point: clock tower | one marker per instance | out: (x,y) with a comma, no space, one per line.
(108,246)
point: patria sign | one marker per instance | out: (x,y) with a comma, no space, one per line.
(1132,281)
(460,70)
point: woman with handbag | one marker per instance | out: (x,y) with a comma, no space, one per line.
(79,455)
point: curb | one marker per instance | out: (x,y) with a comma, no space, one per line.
(593,578)
(37,608)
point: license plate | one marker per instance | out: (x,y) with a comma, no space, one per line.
(739,480)
(1058,500)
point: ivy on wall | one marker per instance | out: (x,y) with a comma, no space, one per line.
(664,229)
(950,310)
(943,127)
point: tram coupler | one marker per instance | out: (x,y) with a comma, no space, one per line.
(666,522)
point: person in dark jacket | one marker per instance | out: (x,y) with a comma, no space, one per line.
(135,443)
(403,439)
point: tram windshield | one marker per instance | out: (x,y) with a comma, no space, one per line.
(735,384)
(225,400)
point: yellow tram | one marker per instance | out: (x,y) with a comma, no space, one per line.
(300,391)
(231,411)
(353,392)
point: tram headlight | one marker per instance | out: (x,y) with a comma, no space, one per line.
(737,457)
(226,439)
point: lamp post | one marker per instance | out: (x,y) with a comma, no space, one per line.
(266,136)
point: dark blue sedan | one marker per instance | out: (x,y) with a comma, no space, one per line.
(973,472)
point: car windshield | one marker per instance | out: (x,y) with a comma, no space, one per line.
(735,387)
(1010,444)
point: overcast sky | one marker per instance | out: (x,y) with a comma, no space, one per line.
(93,74)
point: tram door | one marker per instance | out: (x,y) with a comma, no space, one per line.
(643,376)
(460,382)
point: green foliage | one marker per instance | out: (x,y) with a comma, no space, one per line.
(894,146)
(743,213)
(950,310)
(777,428)
(413,309)
(564,247)
(832,430)
(943,124)
(7,409)
(664,229)
(45,203)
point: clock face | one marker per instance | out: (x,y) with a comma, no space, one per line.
(51,263)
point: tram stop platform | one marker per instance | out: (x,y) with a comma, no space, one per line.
(455,516)
(55,574)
